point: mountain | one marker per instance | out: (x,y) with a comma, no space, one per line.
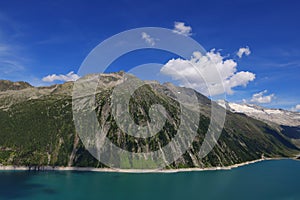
(37,127)
(278,116)
(9,85)
(288,122)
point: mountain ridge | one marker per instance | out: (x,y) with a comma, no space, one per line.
(270,115)
(37,128)
(10,85)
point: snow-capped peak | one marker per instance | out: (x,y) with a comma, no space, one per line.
(278,116)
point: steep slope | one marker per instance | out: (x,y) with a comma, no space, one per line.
(285,121)
(40,131)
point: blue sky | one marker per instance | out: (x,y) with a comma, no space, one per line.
(40,38)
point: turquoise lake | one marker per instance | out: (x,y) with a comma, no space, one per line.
(264,180)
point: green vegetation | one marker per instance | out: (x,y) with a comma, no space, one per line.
(39,132)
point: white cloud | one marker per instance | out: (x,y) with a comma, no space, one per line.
(262,98)
(71,76)
(296,108)
(189,73)
(148,39)
(182,29)
(242,51)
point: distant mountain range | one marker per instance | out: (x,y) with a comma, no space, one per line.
(37,127)
(277,116)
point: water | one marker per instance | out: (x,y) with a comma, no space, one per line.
(264,180)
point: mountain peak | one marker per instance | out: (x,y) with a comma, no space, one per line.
(10,85)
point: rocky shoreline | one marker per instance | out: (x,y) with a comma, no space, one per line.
(91,169)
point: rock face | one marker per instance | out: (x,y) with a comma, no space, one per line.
(37,128)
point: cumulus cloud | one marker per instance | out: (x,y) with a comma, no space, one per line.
(148,39)
(210,74)
(242,51)
(296,108)
(262,98)
(182,29)
(71,76)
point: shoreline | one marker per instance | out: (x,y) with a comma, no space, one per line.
(91,169)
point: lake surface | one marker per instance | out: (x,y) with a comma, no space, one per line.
(264,180)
